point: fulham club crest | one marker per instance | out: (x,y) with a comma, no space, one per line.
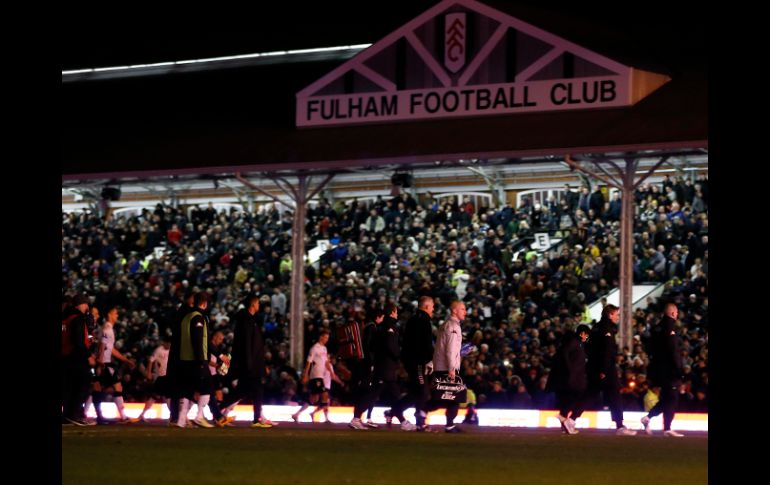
(454,41)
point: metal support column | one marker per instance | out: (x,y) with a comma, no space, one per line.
(626,330)
(300,197)
(624,179)
(296,329)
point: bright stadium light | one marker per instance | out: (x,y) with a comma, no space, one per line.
(513,418)
(296,55)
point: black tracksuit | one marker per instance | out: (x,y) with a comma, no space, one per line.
(76,372)
(602,351)
(248,361)
(416,352)
(568,378)
(361,380)
(386,362)
(666,369)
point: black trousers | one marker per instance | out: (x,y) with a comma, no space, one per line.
(611,399)
(250,388)
(418,395)
(76,384)
(567,401)
(609,387)
(669,398)
(380,388)
(361,384)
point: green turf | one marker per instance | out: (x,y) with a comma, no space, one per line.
(155,454)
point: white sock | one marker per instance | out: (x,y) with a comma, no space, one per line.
(89,401)
(229,408)
(147,406)
(120,405)
(203,401)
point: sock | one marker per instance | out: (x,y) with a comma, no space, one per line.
(98,397)
(184,407)
(147,405)
(203,401)
(229,408)
(120,405)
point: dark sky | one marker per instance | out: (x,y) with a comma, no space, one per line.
(287,25)
(129,37)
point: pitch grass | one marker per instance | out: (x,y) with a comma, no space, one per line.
(337,455)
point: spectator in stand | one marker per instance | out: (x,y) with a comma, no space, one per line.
(616,206)
(596,201)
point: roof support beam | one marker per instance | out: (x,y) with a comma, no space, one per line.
(627,185)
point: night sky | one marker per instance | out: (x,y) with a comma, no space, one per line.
(136,36)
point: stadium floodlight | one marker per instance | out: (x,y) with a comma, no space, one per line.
(212,62)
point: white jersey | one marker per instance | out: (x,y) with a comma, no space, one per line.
(161,357)
(317,356)
(108,342)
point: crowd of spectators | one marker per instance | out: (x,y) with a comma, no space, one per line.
(397,249)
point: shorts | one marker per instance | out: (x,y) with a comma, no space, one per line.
(108,377)
(316,386)
(159,388)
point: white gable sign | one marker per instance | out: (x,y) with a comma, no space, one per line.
(462,58)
